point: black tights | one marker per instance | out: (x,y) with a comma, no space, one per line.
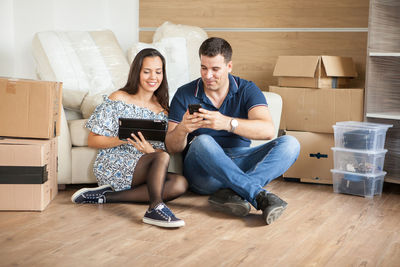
(151,183)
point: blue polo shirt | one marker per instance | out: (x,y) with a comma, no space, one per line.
(243,95)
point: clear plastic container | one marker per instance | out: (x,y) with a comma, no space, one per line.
(366,185)
(359,161)
(360,135)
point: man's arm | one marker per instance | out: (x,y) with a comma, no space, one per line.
(176,138)
(258,126)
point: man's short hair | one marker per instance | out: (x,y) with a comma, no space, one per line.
(215,46)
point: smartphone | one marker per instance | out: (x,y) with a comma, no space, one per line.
(194,108)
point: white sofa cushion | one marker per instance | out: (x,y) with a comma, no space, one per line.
(194,38)
(79,133)
(88,63)
(82,161)
(90,102)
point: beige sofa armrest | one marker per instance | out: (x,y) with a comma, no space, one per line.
(64,152)
(275,108)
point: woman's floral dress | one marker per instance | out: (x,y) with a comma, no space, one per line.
(114,166)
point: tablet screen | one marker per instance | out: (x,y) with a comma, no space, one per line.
(152,130)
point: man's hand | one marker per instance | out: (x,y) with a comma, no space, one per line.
(214,120)
(191,122)
(176,139)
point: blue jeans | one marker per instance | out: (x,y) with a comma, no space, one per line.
(245,170)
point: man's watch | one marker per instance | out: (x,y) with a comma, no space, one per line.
(234,125)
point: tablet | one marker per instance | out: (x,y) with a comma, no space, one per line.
(152,130)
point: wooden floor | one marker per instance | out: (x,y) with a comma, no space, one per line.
(319,228)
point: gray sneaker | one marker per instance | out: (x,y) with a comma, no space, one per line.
(271,205)
(228,201)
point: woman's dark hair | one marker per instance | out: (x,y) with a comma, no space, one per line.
(215,46)
(133,82)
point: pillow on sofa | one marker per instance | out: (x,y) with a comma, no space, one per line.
(90,102)
(194,37)
(174,51)
(88,63)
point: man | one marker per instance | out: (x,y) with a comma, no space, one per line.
(215,140)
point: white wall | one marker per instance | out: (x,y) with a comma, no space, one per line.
(21,19)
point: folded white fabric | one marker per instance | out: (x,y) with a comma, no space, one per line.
(88,63)
(194,37)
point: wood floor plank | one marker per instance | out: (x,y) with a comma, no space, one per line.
(392,255)
(364,247)
(319,228)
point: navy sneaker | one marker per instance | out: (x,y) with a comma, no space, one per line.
(271,205)
(228,201)
(91,195)
(162,216)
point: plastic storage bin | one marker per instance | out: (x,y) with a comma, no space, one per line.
(359,161)
(366,185)
(360,135)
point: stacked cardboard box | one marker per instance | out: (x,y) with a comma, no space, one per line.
(29,126)
(313,100)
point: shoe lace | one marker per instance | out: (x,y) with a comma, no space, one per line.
(95,197)
(165,210)
(99,200)
(92,196)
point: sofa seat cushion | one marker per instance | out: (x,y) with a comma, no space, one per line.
(79,133)
(82,161)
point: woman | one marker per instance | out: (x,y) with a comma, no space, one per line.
(134,170)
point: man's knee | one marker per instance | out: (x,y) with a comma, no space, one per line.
(291,144)
(203,140)
(205,146)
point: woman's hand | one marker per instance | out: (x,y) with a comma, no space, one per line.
(141,144)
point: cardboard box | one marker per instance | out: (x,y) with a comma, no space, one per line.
(24,152)
(27,197)
(314,71)
(315,159)
(33,153)
(312,110)
(30,109)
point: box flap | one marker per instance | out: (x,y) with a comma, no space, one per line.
(339,66)
(296,66)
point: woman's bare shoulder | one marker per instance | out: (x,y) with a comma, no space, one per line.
(119,95)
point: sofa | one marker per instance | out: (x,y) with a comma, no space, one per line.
(92,64)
